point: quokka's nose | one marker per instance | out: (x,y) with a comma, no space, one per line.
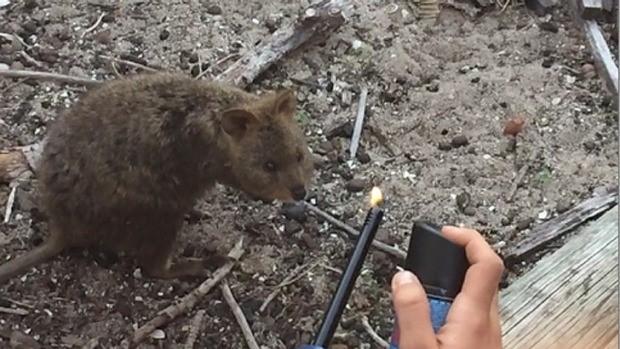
(299,193)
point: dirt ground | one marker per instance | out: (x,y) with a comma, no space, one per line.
(433,143)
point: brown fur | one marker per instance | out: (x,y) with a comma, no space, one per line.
(129,159)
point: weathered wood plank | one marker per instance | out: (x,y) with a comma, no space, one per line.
(560,225)
(603,59)
(569,299)
(591,9)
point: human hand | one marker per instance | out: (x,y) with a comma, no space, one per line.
(473,320)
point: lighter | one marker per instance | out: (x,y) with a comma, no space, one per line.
(440,265)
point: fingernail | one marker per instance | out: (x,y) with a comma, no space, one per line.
(404,278)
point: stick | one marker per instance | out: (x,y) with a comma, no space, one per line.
(20,312)
(290,279)
(10,73)
(94,26)
(241,320)
(194,329)
(186,303)
(522,172)
(382,342)
(359,122)
(382,246)
(30,59)
(129,63)
(317,22)
(9,204)
(560,225)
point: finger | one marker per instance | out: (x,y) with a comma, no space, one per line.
(485,271)
(413,313)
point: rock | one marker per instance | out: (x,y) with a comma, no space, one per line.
(103,37)
(4,66)
(363,156)
(562,205)
(324,148)
(342,130)
(272,24)
(433,87)
(524,223)
(505,221)
(588,71)
(292,227)
(108,18)
(548,26)
(295,211)
(356,185)
(29,27)
(164,34)
(195,70)
(48,55)
(158,334)
(470,211)
(444,146)
(459,141)
(311,243)
(475,80)
(214,10)
(193,57)
(547,62)
(463,199)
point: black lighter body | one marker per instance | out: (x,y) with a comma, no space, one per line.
(440,265)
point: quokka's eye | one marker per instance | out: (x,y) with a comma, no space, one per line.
(270,166)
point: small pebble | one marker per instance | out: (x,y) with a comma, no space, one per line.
(356,185)
(363,156)
(562,205)
(543,215)
(547,62)
(462,200)
(214,10)
(475,80)
(433,87)
(470,211)
(524,223)
(549,26)
(195,70)
(459,141)
(193,57)
(158,334)
(444,146)
(292,227)
(295,211)
(164,34)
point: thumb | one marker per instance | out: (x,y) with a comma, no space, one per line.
(413,312)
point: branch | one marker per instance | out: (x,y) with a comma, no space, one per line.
(316,23)
(297,274)
(10,73)
(382,246)
(238,313)
(359,122)
(194,329)
(382,343)
(188,301)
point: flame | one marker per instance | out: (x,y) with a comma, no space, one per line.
(376,197)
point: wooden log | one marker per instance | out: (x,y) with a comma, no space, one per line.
(603,59)
(591,9)
(316,23)
(569,299)
(559,226)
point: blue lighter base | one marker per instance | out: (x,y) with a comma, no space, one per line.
(439,312)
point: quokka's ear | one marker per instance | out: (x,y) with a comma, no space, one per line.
(286,103)
(236,122)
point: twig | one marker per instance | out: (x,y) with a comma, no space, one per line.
(21,312)
(216,64)
(359,122)
(317,22)
(382,246)
(129,63)
(10,73)
(297,274)
(194,329)
(374,334)
(18,303)
(30,59)
(521,175)
(333,269)
(186,303)
(94,26)
(9,204)
(241,320)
